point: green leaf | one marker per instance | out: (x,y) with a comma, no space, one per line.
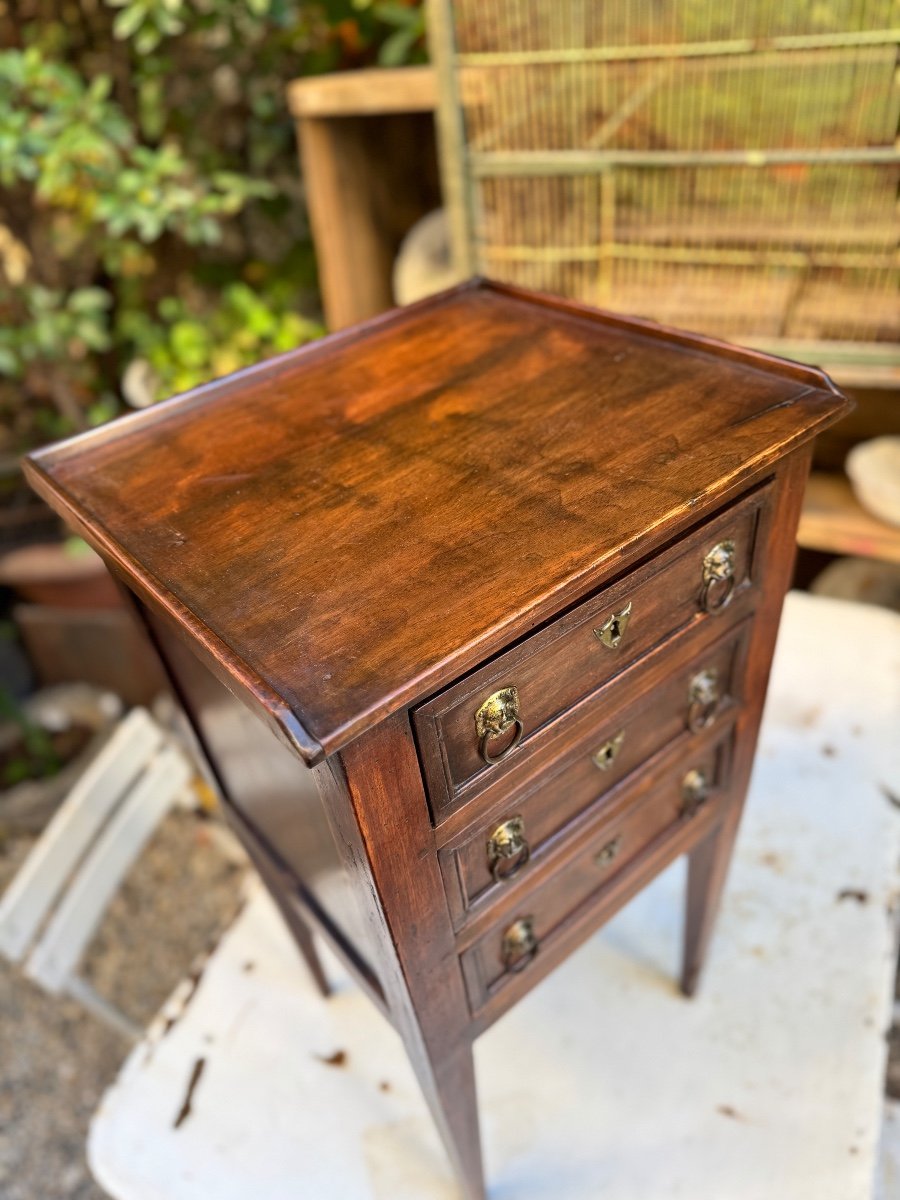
(90,300)
(190,343)
(395,49)
(9,363)
(400,15)
(76,547)
(129,21)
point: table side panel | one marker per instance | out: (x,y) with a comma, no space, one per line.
(272,789)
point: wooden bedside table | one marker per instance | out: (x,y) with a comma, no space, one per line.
(472,608)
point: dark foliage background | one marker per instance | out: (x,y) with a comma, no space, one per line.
(152,226)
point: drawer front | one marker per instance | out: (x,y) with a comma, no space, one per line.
(696,693)
(471,733)
(689,794)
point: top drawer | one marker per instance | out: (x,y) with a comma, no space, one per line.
(468,733)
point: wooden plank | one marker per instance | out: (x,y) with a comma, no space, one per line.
(369,165)
(359,93)
(368,180)
(73,923)
(354,263)
(33,891)
(833,520)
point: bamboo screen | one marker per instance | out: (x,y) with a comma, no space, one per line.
(727,167)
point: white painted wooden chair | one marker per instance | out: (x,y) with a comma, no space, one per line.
(56,901)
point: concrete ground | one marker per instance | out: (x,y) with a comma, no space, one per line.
(55,1059)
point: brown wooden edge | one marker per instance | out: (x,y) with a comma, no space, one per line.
(366,92)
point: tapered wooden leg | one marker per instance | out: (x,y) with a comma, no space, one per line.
(300,931)
(307,947)
(709,860)
(708,866)
(448,1085)
(376,797)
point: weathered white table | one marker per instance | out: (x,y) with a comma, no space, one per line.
(767,1086)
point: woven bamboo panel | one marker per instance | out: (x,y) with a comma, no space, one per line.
(731,168)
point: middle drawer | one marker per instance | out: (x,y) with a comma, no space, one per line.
(666,813)
(695,691)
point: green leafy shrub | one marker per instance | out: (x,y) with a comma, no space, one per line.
(152,230)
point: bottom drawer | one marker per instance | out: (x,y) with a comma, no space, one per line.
(690,791)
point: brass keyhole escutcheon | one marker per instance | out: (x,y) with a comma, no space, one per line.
(507,849)
(604,758)
(499,713)
(519,945)
(611,632)
(718,577)
(694,792)
(703,699)
(606,856)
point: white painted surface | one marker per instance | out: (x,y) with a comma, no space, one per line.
(72,924)
(40,880)
(888,1185)
(603,1082)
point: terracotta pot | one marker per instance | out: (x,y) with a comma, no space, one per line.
(54,575)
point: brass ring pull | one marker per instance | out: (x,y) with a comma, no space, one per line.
(694,792)
(700,715)
(703,700)
(493,759)
(501,874)
(507,850)
(608,854)
(519,946)
(714,597)
(718,577)
(495,716)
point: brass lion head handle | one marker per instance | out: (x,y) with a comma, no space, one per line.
(694,792)
(507,849)
(519,945)
(718,577)
(703,699)
(498,714)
